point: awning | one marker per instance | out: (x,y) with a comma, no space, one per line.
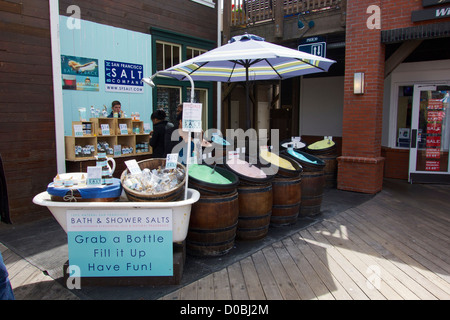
(428,31)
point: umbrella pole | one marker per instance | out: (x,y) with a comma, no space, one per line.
(247,95)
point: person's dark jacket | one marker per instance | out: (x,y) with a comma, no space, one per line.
(169,144)
(157,140)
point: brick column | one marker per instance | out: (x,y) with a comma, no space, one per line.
(360,168)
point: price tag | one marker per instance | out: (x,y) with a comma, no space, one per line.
(147,128)
(105,129)
(78,130)
(171,161)
(94,176)
(123,128)
(117,150)
(133,166)
(233,154)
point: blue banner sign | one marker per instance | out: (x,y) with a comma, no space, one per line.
(120,243)
(123,77)
(317,48)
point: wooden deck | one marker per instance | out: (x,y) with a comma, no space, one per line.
(395,246)
(29,282)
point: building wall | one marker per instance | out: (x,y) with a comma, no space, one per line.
(27,130)
(321,101)
(27,125)
(183,16)
(361,164)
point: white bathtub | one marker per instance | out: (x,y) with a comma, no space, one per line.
(181,210)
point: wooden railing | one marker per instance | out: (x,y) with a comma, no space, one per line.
(246,12)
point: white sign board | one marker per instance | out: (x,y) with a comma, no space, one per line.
(192,117)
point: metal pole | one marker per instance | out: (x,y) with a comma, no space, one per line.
(150,82)
(247,94)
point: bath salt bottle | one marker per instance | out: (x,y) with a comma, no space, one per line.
(102,161)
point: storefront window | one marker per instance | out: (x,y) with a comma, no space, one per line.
(168,99)
(404,114)
(167,55)
(193,52)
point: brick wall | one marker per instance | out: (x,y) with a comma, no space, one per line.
(360,168)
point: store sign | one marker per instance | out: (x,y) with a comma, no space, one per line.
(430,14)
(434,128)
(120,243)
(435,104)
(433,153)
(432,165)
(123,77)
(435,116)
(433,141)
(315,46)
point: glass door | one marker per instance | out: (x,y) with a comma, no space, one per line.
(430,134)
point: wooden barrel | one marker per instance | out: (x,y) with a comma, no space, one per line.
(212,225)
(327,153)
(255,200)
(330,169)
(313,182)
(212,189)
(312,192)
(255,210)
(287,197)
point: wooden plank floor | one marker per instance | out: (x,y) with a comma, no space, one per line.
(393,247)
(29,282)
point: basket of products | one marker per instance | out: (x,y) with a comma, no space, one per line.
(154,182)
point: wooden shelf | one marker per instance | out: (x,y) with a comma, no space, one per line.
(82,148)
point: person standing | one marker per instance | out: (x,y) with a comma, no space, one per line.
(157,136)
(116,107)
(6,292)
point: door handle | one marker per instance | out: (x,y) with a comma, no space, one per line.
(414,138)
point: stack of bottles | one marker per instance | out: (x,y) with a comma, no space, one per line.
(103,163)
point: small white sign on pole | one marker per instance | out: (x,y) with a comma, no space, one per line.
(192,117)
(192,122)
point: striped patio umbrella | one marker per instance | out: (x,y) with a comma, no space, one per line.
(250,58)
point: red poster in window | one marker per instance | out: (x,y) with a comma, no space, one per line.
(433,142)
(433,154)
(432,166)
(434,128)
(435,116)
(435,104)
